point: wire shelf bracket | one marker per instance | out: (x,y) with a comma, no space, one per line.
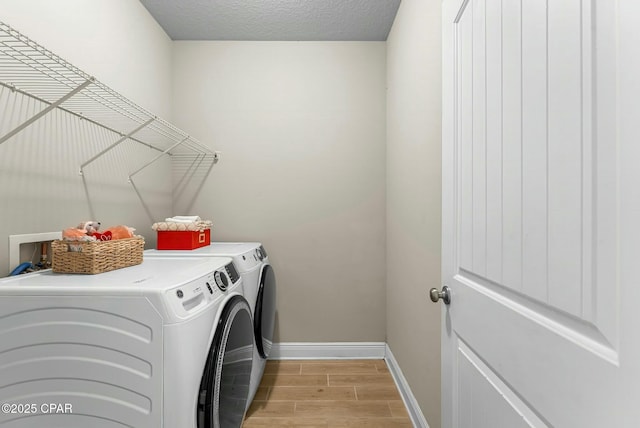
(154,160)
(114,145)
(44,111)
(97,156)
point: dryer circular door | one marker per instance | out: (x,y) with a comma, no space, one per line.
(224,389)
(265,311)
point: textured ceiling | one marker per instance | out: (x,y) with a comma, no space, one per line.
(274,19)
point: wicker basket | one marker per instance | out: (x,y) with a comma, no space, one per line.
(96,256)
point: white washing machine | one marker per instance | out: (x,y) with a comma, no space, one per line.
(168,343)
(252,262)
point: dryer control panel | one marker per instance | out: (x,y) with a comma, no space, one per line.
(189,299)
(249,260)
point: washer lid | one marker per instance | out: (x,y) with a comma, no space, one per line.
(154,275)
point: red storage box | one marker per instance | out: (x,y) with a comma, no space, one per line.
(183,240)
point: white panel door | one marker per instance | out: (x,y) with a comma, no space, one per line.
(541,213)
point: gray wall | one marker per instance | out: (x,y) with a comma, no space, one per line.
(302,129)
(119,43)
(413,198)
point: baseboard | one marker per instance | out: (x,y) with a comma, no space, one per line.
(327,350)
(415,413)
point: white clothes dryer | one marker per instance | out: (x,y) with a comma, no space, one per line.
(252,263)
(167,343)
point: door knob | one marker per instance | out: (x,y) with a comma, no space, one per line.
(445,295)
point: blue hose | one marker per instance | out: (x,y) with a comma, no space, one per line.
(21,268)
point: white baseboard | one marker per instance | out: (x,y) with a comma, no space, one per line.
(415,413)
(327,350)
(353,350)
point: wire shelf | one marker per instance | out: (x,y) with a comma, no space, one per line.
(30,69)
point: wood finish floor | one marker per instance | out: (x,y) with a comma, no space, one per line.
(327,393)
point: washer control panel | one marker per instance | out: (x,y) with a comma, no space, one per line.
(222,280)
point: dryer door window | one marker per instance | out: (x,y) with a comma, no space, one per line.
(265,311)
(224,389)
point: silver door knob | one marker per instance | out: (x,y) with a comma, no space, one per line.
(445,295)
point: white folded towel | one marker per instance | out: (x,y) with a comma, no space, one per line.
(183,219)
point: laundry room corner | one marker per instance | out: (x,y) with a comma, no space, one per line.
(414,198)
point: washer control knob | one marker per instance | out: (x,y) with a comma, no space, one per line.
(180,294)
(221,280)
(259,253)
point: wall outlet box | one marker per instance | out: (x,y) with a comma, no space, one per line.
(15,241)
